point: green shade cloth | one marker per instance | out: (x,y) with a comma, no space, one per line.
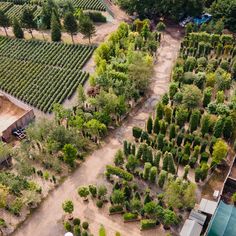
(223,222)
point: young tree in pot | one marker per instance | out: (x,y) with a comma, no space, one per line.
(83,192)
(68,208)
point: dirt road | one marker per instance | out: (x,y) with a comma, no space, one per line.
(45,221)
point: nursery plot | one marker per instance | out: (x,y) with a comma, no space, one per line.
(40,73)
(89,4)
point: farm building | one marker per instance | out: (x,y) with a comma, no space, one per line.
(12,116)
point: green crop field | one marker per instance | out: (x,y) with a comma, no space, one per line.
(41,73)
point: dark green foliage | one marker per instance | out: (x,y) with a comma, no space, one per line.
(159,110)
(119,158)
(179,139)
(137,132)
(228,127)
(93,190)
(17,30)
(77,230)
(194,120)
(163,127)
(203,145)
(86,27)
(153,174)
(4,21)
(70,24)
(96,16)
(132,163)
(157,158)
(173,89)
(205,124)
(187,149)
(218,128)
(207,96)
(149,125)
(126,148)
(85,225)
(161,179)
(55,29)
(168,114)
(181,116)
(146,171)
(172,131)
(165,99)
(160,141)
(156,127)
(27,19)
(144,137)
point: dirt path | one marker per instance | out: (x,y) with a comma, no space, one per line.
(46,219)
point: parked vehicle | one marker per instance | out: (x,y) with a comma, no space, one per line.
(204,18)
(184,22)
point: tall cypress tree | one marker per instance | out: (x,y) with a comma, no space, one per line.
(17,30)
(55,29)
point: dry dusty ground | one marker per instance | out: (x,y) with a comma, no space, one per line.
(46,220)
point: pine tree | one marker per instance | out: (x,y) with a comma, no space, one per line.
(149,125)
(194,120)
(17,30)
(172,131)
(156,127)
(55,29)
(86,27)
(228,127)
(70,24)
(218,128)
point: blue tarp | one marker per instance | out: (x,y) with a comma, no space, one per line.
(223,222)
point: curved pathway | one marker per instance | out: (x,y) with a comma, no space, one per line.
(46,220)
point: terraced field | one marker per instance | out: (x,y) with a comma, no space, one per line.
(41,73)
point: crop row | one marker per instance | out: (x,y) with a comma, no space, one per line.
(89,4)
(38,85)
(83,4)
(53,54)
(4,6)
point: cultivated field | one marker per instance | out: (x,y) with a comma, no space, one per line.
(46,73)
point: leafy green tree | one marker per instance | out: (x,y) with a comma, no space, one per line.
(18,32)
(137,132)
(4,21)
(55,29)
(27,20)
(172,131)
(170,218)
(70,154)
(68,206)
(225,9)
(86,27)
(192,96)
(220,150)
(145,31)
(83,192)
(102,191)
(186,170)
(150,209)
(70,24)
(118,197)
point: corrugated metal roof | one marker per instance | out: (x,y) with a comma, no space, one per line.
(191,228)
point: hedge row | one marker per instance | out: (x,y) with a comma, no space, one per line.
(113,170)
